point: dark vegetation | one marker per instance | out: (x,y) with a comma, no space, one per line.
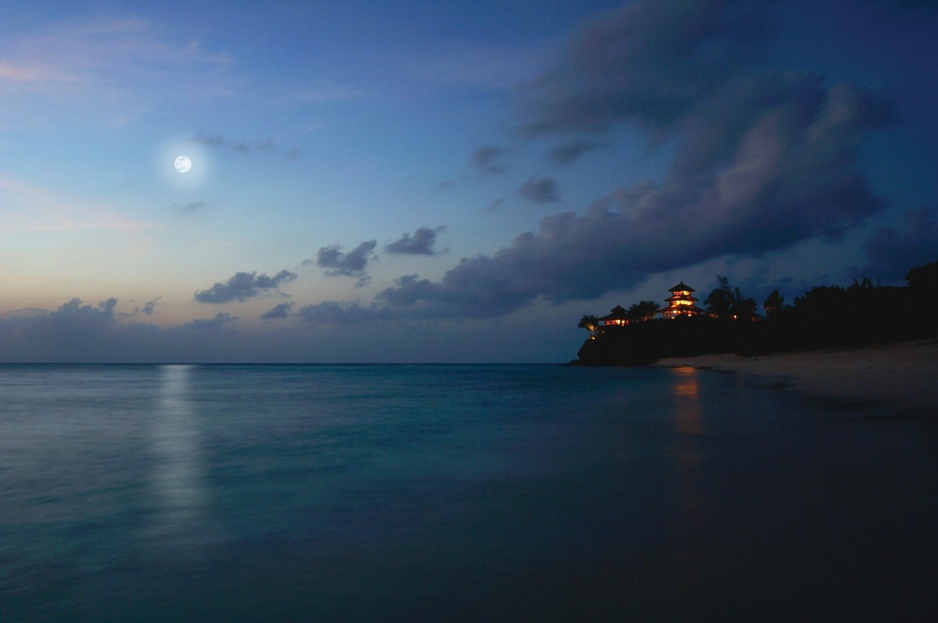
(823,317)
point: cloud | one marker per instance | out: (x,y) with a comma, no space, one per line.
(30,73)
(540,190)
(494,205)
(243,286)
(338,314)
(278,312)
(351,264)
(189,208)
(218,321)
(75,330)
(742,184)
(79,332)
(649,62)
(91,68)
(479,66)
(485,159)
(421,243)
(892,252)
(764,159)
(148,308)
(245,148)
(569,152)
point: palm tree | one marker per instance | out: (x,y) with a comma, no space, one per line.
(720,302)
(727,302)
(590,323)
(744,308)
(773,303)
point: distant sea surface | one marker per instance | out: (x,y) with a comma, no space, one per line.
(456,493)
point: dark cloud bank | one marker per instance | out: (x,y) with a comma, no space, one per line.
(765,158)
(79,332)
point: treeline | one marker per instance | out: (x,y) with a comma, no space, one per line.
(823,317)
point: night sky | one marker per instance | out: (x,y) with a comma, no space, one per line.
(444,181)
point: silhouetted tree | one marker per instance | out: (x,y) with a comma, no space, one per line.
(744,307)
(923,279)
(643,310)
(773,303)
(727,302)
(923,297)
(720,301)
(865,284)
(590,323)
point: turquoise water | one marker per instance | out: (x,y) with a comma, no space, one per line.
(456,493)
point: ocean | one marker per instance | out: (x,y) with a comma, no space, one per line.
(456,493)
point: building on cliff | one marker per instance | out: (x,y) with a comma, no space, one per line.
(681,303)
(618,318)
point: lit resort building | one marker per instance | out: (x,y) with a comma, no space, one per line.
(618,318)
(681,302)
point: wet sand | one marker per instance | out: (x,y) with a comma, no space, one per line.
(904,374)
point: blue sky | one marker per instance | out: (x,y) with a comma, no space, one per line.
(433,181)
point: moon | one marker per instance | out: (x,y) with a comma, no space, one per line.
(182,164)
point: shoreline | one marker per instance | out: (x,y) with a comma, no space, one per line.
(903,374)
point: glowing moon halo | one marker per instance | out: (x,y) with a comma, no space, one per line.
(182,164)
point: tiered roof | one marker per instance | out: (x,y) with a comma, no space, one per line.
(618,313)
(681,292)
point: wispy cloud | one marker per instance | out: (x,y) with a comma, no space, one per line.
(107,68)
(478,66)
(36,209)
(493,205)
(486,158)
(189,208)
(31,73)
(540,190)
(245,148)
(571,151)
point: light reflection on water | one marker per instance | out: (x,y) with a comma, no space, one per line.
(177,475)
(688,414)
(688,422)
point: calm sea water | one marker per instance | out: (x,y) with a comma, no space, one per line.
(456,493)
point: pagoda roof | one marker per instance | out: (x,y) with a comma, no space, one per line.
(618,312)
(681,287)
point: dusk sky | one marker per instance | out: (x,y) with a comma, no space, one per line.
(444,181)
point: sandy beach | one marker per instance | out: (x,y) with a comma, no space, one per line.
(904,374)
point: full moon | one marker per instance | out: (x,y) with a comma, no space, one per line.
(182,164)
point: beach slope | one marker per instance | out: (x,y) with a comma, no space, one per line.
(904,374)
